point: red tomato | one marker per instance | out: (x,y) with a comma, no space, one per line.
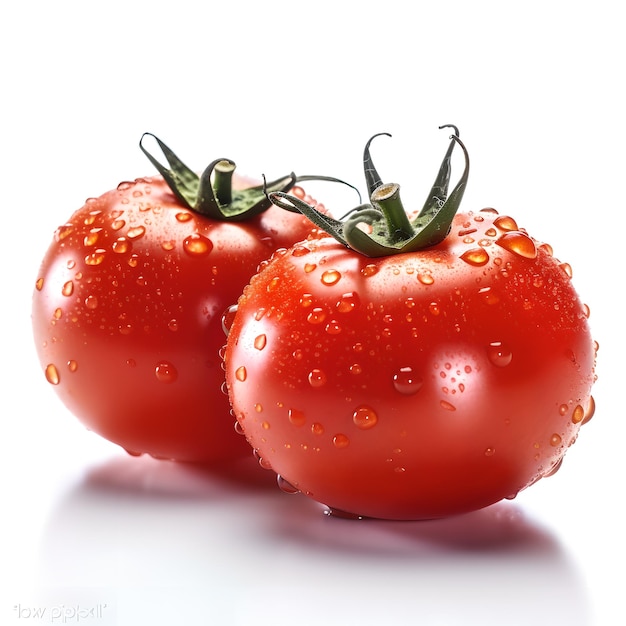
(127,315)
(416,385)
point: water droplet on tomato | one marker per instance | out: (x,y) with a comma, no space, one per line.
(52,374)
(273,284)
(488,295)
(330,277)
(260,342)
(91,238)
(136,232)
(63,231)
(364,417)
(518,243)
(197,245)
(591,409)
(300,250)
(121,245)
(39,284)
(165,372)
(369,270)
(117,224)
(333,327)
(434,309)
(96,257)
(91,302)
(563,409)
(228,317)
(317,428)
(348,302)
(426,278)
(475,256)
(72,365)
(491,232)
(241,373)
(448,406)
(555,440)
(317,378)
(58,313)
(168,245)
(567,268)
(285,485)
(506,223)
(68,288)
(341,441)
(316,316)
(490,451)
(578,415)
(499,354)
(554,469)
(334,512)
(406,382)
(173,325)
(239,429)
(309,267)
(296,417)
(183,216)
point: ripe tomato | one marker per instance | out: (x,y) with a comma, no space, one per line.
(127,308)
(414,385)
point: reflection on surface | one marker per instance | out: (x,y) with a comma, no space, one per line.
(230,546)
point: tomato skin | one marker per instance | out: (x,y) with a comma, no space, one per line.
(413,386)
(127,310)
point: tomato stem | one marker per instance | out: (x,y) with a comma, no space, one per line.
(223,182)
(383,228)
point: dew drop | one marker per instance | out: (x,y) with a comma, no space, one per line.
(173,325)
(309,267)
(300,250)
(296,417)
(448,406)
(228,317)
(406,382)
(330,277)
(52,374)
(490,451)
(58,313)
(72,365)
(317,378)
(168,245)
(578,415)
(317,428)
(369,270)
(499,354)
(434,309)
(165,372)
(39,284)
(364,417)
(555,440)
(197,245)
(285,485)
(475,256)
(260,342)
(348,302)
(241,374)
(518,243)
(591,409)
(567,268)
(136,232)
(426,278)
(491,232)
(68,288)
(121,245)
(91,302)
(488,295)
(273,284)
(183,217)
(563,409)
(91,238)
(96,257)
(118,224)
(63,231)
(341,441)
(316,316)
(506,223)
(133,261)
(333,328)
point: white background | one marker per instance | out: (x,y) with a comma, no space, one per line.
(537,91)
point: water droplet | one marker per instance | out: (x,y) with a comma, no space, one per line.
(563,409)
(241,374)
(68,288)
(165,372)
(348,302)
(39,284)
(296,417)
(317,428)
(91,302)
(300,250)
(491,232)
(285,485)
(341,441)
(168,245)
(133,261)
(72,365)
(228,317)
(96,257)
(316,316)
(317,378)
(136,232)
(490,451)
(273,284)
(197,245)
(52,374)
(499,354)
(309,267)
(506,223)
(578,415)
(591,409)
(448,406)
(260,342)
(554,469)
(364,417)
(173,325)
(63,231)
(117,224)
(406,382)
(91,238)
(356,369)
(333,512)
(58,313)
(426,278)
(434,309)
(239,429)
(183,216)
(567,268)
(475,256)
(333,327)
(330,277)
(555,440)
(488,295)
(121,245)
(518,243)
(131,362)
(369,270)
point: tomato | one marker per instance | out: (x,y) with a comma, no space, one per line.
(413,385)
(127,308)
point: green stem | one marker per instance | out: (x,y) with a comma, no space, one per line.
(223,182)
(387,198)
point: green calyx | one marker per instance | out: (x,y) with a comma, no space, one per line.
(382,227)
(211,193)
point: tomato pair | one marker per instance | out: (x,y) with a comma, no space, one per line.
(411,368)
